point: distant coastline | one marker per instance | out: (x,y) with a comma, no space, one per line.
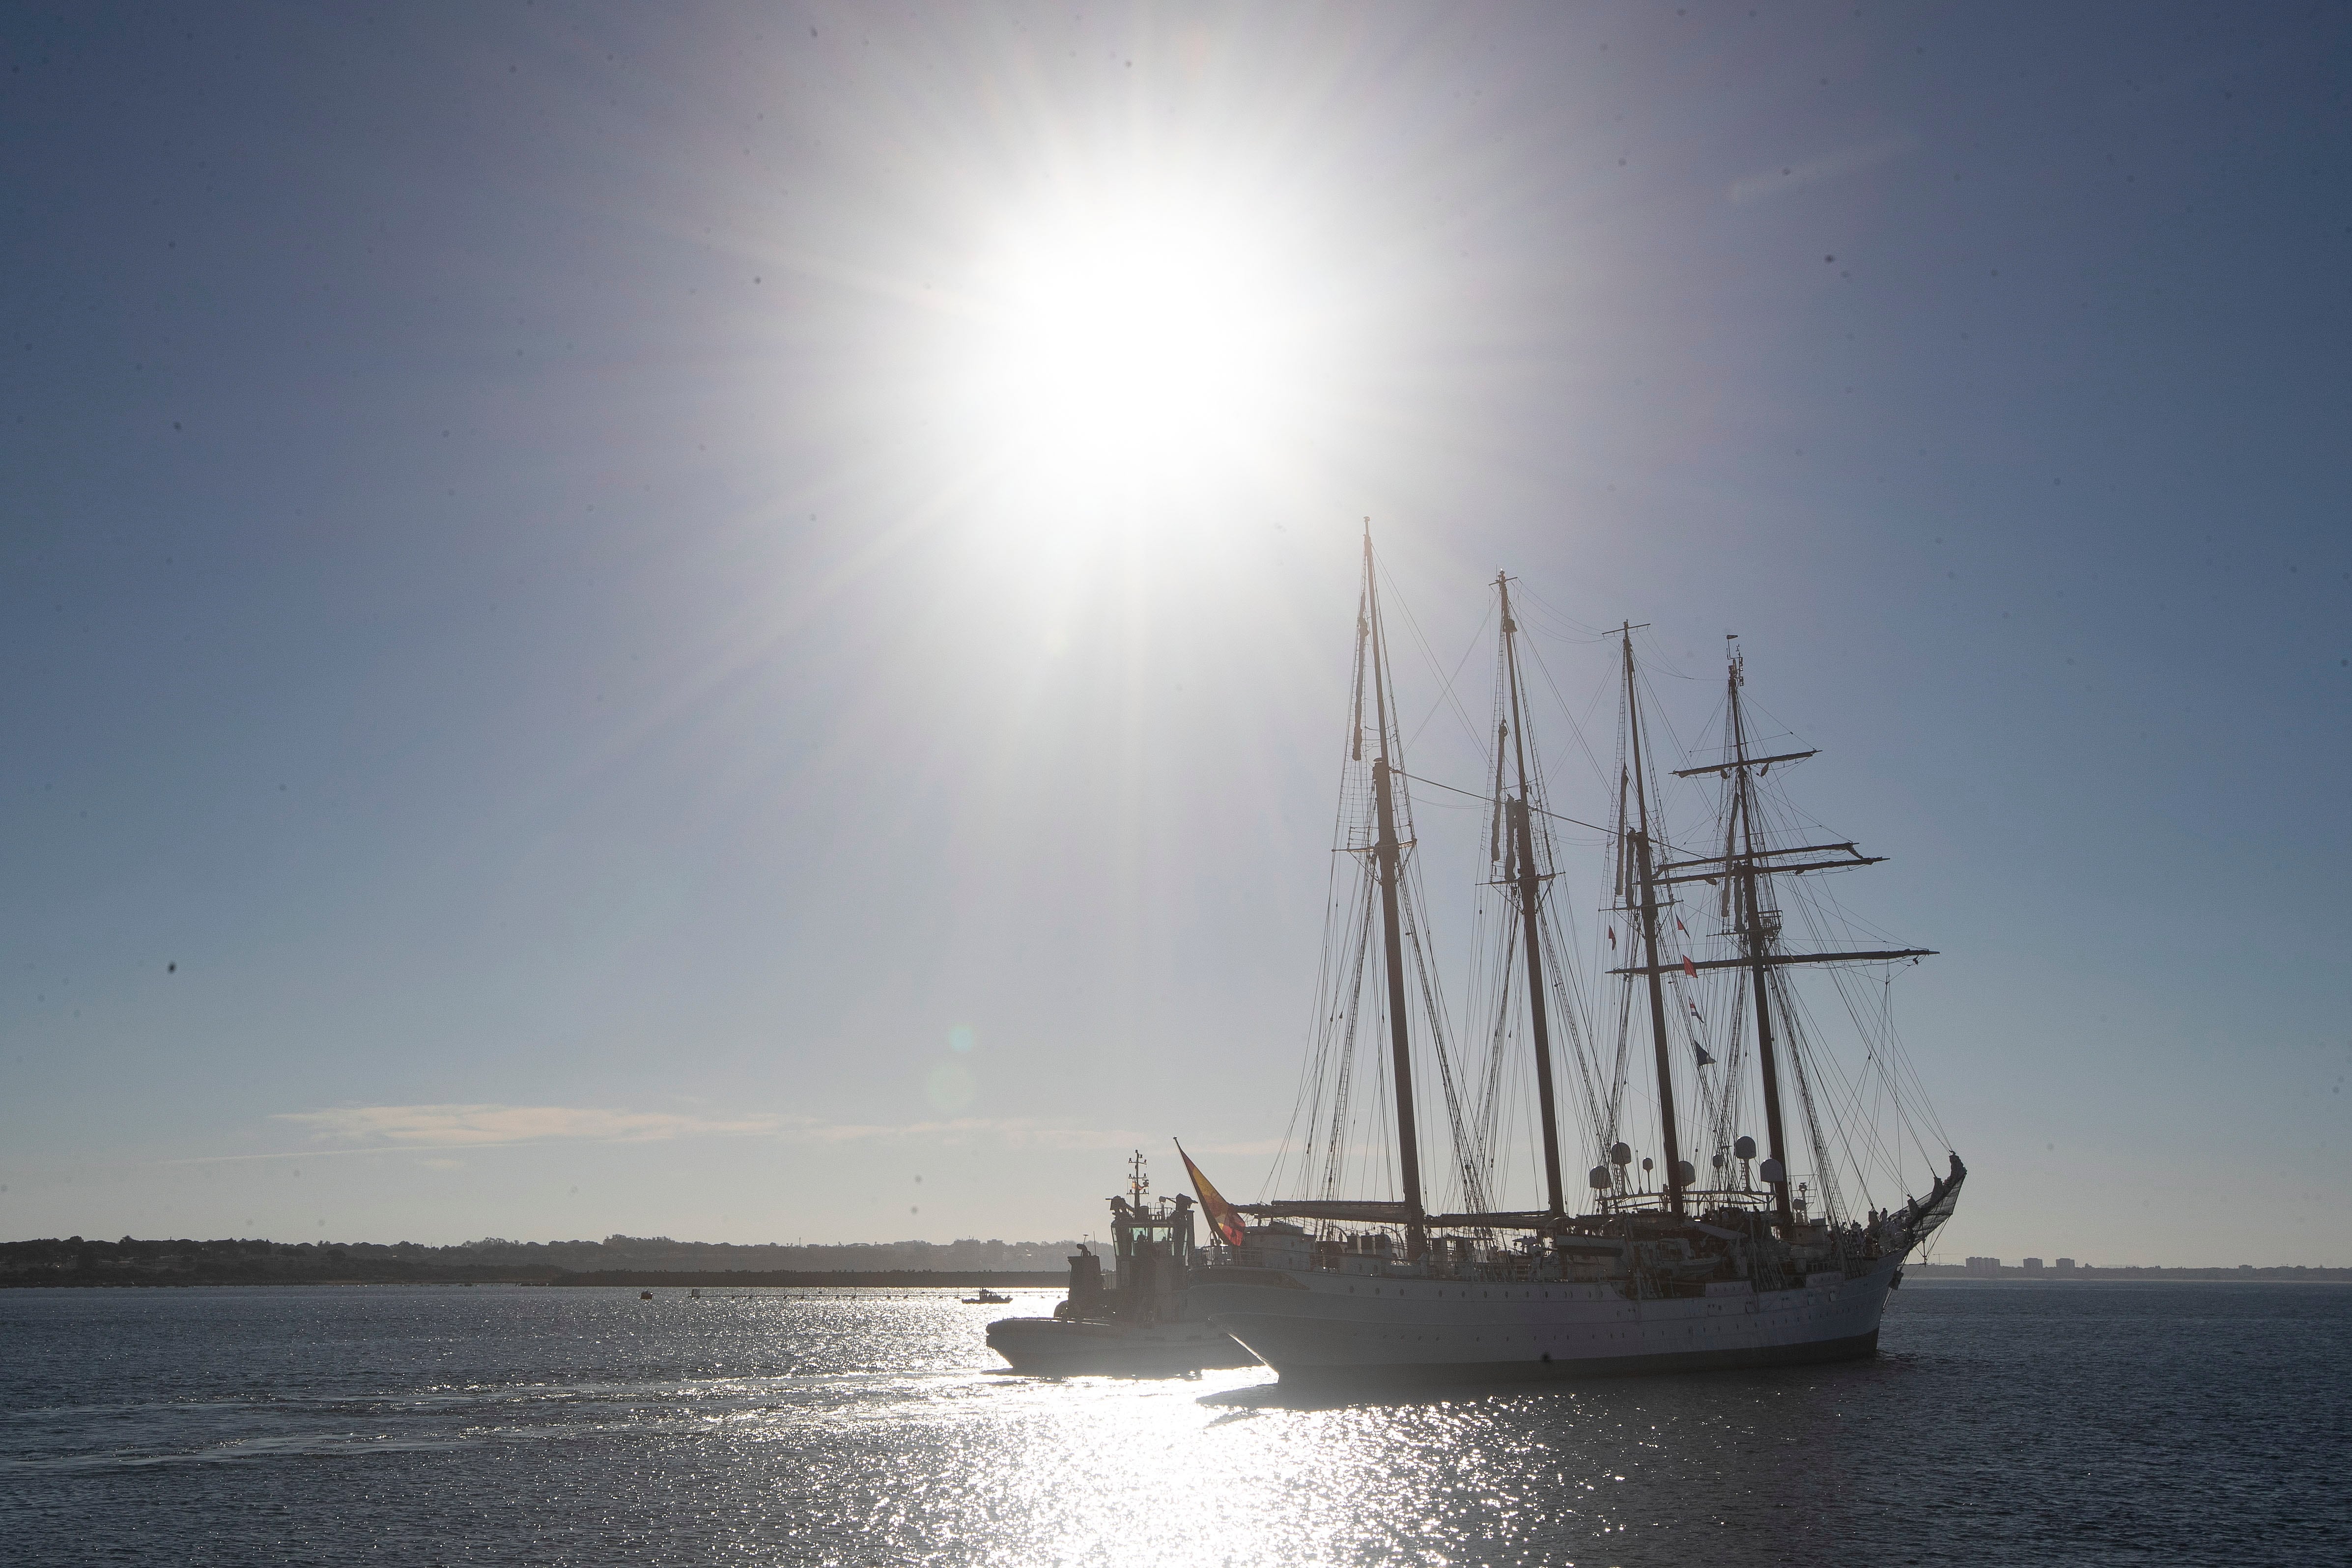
(645,1262)
(616,1260)
(2124,1271)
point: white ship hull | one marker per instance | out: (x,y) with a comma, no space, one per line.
(1314,1326)
(1060,1347)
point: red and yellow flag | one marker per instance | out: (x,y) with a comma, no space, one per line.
(1221,1218)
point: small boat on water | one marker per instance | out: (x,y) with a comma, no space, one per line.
(1141,1323)
(988,1298)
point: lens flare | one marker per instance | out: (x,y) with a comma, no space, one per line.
(1131,353)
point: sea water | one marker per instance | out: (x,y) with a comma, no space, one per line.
(2000,1422)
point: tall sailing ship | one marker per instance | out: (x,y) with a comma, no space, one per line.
(1722,1259)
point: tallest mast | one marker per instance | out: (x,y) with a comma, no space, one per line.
(1647,864)
(1531,891)
(1388,854)
(1755,936)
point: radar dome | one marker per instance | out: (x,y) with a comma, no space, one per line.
(1773,1171)
(1619,1154)
(1745,1148)
(1599,1178)
(1683,1174)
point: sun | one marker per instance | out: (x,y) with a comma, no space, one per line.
(1132,348)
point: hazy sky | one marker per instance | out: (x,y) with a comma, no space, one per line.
(595,643)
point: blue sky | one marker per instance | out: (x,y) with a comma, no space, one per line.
(552,693)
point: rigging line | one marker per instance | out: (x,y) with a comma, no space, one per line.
(1717,723)
(1871,1076)
(1574,728)
(1870,1071)
(1360,922)
(1621,1070)
(1734,1102)
(1311,1070)
(1786,733)
(1608,635)
(1919,1109)
(1446,695)
(1540,811)
(1824,1157)
(1433,1010)
(1657,714)
(1497,988)
(1895,1056)
(1343,922)
(1885,1047)
(1411,902)
(1825,1061)
(1568,995)
(1310,1087)
(1378,1149)
(1819,897)
(1658,657)
(1597,633)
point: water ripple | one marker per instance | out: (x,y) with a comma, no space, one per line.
(2092,1424)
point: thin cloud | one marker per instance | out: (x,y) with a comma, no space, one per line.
(1012,1133)
(359,1129)
(1795,176)
(460,1126)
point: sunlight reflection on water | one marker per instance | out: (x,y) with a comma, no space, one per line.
(586,1426)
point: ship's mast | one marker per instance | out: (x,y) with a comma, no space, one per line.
(1757,938)
(1641,838)
(1388,855)
(1530,912)
(1746,863)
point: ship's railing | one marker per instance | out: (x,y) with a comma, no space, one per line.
(1218,1255)
(1503,1267)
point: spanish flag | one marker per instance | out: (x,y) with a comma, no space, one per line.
(1221,1218)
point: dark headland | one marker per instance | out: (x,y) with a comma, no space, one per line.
(659,1261)
(2033,1269)
(615,1261)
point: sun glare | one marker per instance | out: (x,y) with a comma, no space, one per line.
(1130,353)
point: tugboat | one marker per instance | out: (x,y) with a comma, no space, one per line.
(1141,1323)
(988,1298)
(1744,1255)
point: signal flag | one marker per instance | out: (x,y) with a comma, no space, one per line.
(1221,1218)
